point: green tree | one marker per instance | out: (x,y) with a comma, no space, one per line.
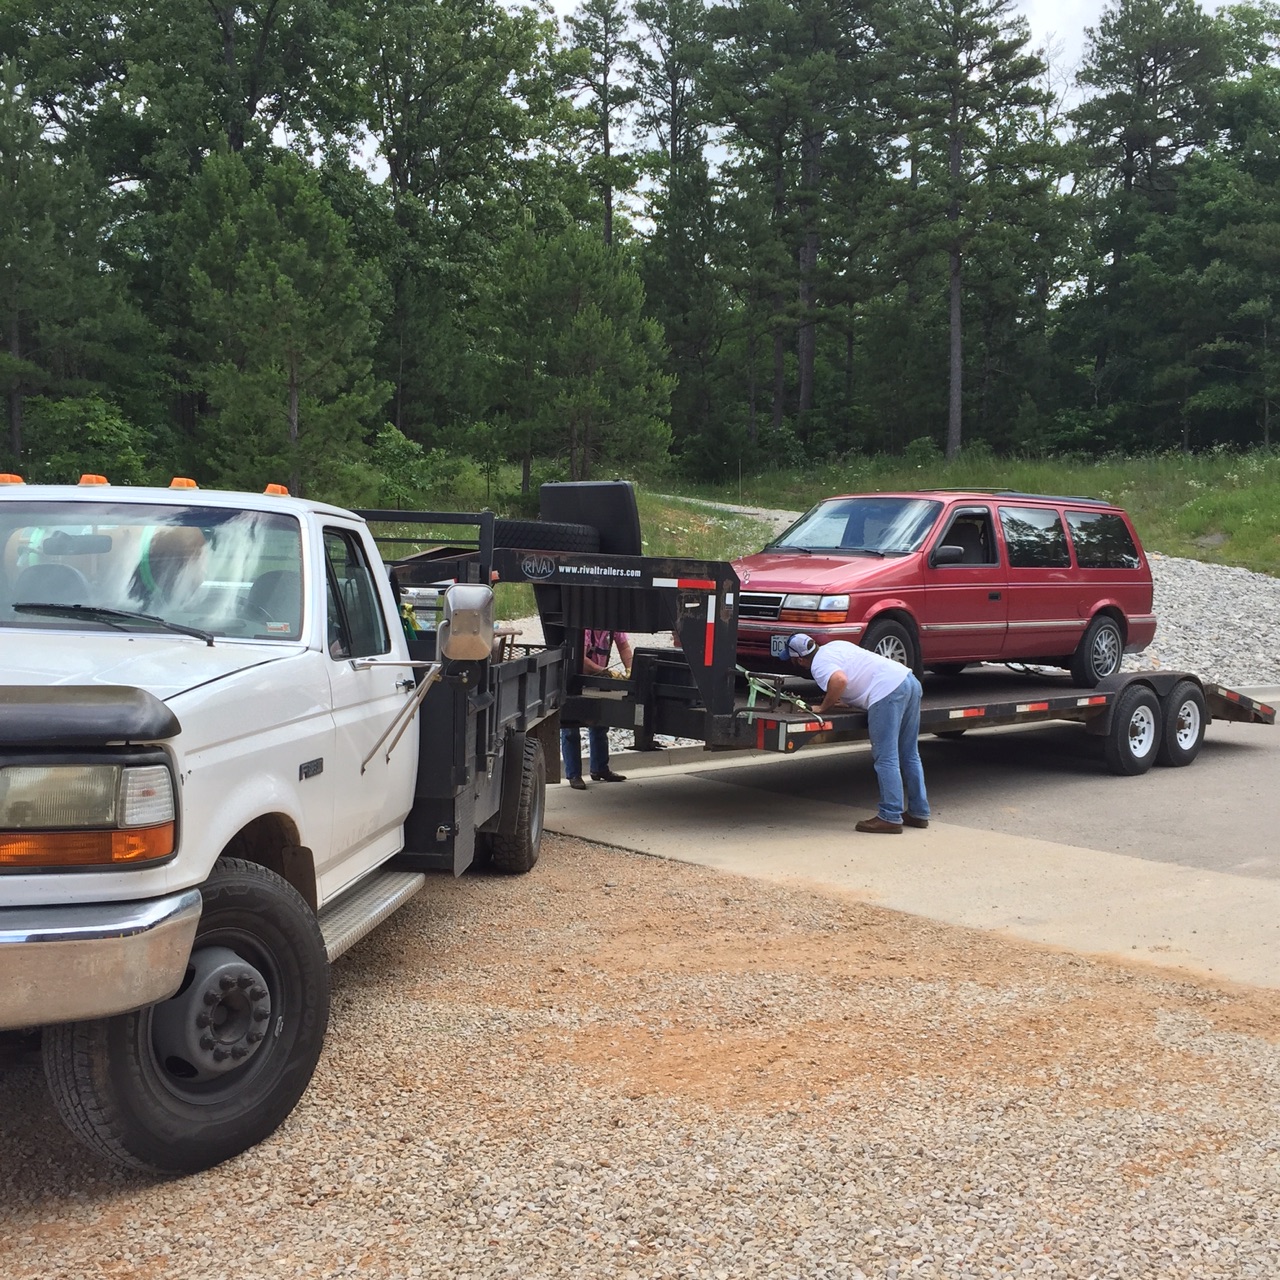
(281,322)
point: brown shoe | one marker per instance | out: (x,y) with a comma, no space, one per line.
(919,823)
(608,776)
(577,783)
(877,826)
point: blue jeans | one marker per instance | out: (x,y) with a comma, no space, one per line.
(894,726)
(571,750)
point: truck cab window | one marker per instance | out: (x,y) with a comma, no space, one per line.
(355,624)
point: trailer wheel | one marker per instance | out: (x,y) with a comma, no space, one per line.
(1185,720)
(1101,649)
(545,535)
(517,853)
(193,1080)
(1134,737)
(892,640)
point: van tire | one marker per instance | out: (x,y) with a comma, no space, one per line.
(122,1085)
(546,535)
(517,853)
(1099,653)
(892,640)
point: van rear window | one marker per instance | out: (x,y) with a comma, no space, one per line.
(1034,538)
(1102,541)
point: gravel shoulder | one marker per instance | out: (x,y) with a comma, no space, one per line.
(623,1067)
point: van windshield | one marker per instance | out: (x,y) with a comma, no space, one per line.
(223,571)
(866,525)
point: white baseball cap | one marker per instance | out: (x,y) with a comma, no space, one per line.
(801,645)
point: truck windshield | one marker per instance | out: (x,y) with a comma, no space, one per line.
(224,571)
(870,525)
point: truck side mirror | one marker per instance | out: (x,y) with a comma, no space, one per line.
(466,629)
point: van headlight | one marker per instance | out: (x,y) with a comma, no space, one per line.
(81,815)
(814,608)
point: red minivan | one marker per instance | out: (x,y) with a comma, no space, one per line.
(938,579)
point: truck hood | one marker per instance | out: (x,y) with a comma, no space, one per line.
(165,666)
(826,574)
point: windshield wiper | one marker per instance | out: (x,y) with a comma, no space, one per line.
(783,546)
(95,613)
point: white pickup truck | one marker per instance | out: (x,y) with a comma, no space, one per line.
(211,784)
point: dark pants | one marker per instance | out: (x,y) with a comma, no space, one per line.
(571,750)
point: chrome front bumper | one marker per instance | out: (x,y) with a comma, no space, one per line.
(67,963)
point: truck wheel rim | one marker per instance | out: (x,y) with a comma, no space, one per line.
(1187,731)
(1142,732)
(216,1025)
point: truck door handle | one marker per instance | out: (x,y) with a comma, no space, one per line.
(406,683)
(993,595)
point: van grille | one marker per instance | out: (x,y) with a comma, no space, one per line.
(760,606)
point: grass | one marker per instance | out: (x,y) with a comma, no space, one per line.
(1223,508)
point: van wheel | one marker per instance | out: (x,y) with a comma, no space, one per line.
(193,1080)
(1099,653)
(893,641)
(518,852)
(1185,720)
(1133,740)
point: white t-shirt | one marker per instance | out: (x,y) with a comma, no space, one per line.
(870,677)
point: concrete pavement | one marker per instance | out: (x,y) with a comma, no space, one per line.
(1031,837)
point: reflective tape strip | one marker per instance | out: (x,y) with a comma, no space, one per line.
(1091,702)
(690,584)
(968,713)
(1033,706)
(711,629)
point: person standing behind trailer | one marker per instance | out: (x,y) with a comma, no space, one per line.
(889,693)
(597,646)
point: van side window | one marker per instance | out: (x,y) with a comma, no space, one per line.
(1035,538)
(1102,541)
(971,531)
(355,625)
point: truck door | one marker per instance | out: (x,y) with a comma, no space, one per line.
(966,608)
(370,800)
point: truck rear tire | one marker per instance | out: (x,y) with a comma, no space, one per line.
(545,535)
(187,1083)
(1185,719)
(518,852)
(1133,740)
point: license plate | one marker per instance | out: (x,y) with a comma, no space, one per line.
(778,646)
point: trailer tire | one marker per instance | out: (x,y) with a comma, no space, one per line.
(148,1089)
(1099,654)
(1133,739)
(546,535)
(1185,720)
(892,640)
(517,853)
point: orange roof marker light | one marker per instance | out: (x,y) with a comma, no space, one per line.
(91,479)
(8,477)
(279,490)
(182,482)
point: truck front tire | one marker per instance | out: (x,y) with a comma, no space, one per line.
(187,1083)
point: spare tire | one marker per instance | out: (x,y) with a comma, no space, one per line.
(545,535)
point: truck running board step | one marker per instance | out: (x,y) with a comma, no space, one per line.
(359,911)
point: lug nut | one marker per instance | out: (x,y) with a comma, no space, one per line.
(255,1036)
(261,1015)
(244,981)
(226,982)
(258,993)
(220,1055)
(206,1042)
(203,1020)
(239,1051)
(212,997)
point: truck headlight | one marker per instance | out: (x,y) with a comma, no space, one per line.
(71,815)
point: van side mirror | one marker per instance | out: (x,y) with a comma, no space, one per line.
(948,554)
(466,628)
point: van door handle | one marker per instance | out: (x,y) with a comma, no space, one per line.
(993,595)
